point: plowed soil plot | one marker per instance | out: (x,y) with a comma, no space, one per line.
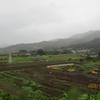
(55,83)
(51,82)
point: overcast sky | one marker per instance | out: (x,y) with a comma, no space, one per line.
(29,21)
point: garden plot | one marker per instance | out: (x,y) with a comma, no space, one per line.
(54,83)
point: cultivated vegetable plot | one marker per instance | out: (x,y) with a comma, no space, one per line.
(47,82)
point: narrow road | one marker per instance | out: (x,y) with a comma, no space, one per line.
(10,58)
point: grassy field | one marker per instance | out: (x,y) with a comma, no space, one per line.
(60,57)
(21,59)
(4,54)
(93,63)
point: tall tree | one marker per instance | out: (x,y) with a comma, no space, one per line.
(40,52)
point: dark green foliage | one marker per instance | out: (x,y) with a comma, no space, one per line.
(94,60)
(88,58)
(40,52)
(81,60)
(69,59)
(23,51)
(88,45)
(33,52)
(73,94)
(6,96)
(29,94)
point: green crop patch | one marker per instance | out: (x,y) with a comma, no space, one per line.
(3,60)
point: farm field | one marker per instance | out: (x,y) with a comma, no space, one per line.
(60,57)
(35,81)
(49,85)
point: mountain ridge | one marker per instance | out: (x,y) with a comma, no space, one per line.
(95,43)
(85,37)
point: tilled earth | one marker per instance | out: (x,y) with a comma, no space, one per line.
(54,83)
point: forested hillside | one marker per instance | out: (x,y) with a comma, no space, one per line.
(91,44)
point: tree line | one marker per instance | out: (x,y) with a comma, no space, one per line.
(40,52)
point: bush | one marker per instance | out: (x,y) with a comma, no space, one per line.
(81,60)
(69,59)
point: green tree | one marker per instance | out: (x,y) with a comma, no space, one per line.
(88,58)
(81,60)
(69,59)
(41,52)
(65,51)
(22,52)
(33,53)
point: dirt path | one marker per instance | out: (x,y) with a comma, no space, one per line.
(10,58)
